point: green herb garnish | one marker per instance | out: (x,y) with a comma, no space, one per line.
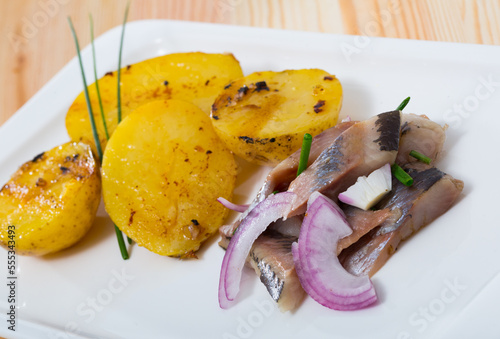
(304,153)
(85,89)
(401,175)
(403,104)
(121,243)
(119,101)
(95,77)
(420,157)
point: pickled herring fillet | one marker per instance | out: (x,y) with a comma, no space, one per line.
(432,194)
(271,258)
(359,150)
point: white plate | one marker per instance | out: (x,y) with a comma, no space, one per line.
(443,283)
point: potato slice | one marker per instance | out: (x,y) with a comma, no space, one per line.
(263,116)
(51,200)
(194,77)
(162,172)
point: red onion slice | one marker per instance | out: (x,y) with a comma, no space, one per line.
(319,270)
(274,207)
(232,206)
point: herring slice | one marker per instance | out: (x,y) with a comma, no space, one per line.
(367,191)
(275,206)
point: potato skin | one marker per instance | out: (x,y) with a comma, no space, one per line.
(162,172)
(52,200)
(193,77)
(264,116)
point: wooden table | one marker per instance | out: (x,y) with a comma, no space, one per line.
(37,43)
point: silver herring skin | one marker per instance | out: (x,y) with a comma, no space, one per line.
(271,258)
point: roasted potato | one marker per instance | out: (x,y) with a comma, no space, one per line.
(193,77)
(263,116)
(51,200)
(163,169)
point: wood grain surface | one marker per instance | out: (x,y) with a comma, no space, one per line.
(36,40)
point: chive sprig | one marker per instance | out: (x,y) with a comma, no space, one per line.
(105,125)
(401,175)
(304,153)
(121,243)
(95,134)
(119,101)
(119,85)
(403,104)
(419,156)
